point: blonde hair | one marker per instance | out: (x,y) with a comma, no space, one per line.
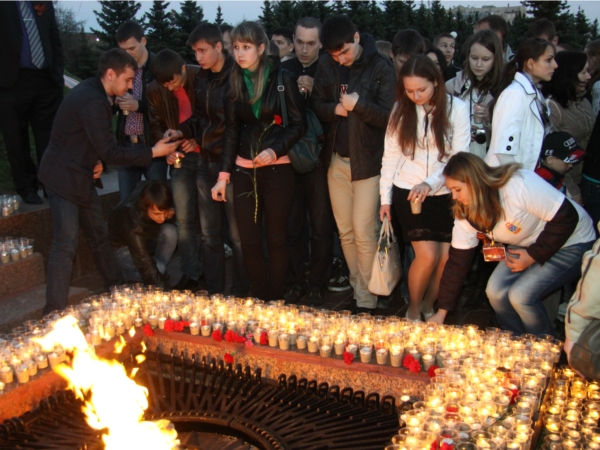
(251,33)
(483,183)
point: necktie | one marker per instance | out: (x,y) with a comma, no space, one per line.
(35,44)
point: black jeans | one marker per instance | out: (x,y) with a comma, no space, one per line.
(33,100)
(312,196)
(276,185)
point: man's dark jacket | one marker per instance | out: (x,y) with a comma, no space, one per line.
(82,135)
(129,226)
(207,125)
(147,78)
(163,108)
(11,39)
(372,77)
(243,129)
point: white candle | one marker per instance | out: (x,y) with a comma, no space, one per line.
(339,347)
(301,342)
(365,354)
(325,351)
(352,348)
(205,330)
(313,346)
(161,323)
(6,374)
(427,361)
(153,319)
(32,367)
(54,359)
(138,322)
(42,361)
(23,374)
(14,254)
(284,341)
(381,355)
(194,329)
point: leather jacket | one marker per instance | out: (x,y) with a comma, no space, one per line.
(131,227)
(243,129)
(147,78)
(163,109)
(371,76)
(207,125)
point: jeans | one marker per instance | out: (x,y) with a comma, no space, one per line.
(162,248)
(276,185)
(312,195)
(129,176)
(185,199)
(67,217)
(517,296)
(356,210)
(212,218)
(590,193)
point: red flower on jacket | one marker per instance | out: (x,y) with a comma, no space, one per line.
(264,340)
(40,8)
(411,364)
(216,335)
(431,371)
(228,358)
(169,326)
(277,120)
(148,330)
(348,358)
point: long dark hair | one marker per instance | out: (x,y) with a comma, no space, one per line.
(532,48)
(491,81)
(252,33)
(562,85)
(404,117)
(483,182)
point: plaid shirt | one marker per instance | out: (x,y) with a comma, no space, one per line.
(134,122)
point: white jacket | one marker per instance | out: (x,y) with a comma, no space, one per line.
(517,127)
(405,171)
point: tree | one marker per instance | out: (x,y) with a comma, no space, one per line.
(396,16)
(69,27)
(583,29)
(219,20)
(267,18)
(551,10)
(361,15)
(190,17)
(286,14)
(518,31)
(594,30)
(87,57)
(422,22)
(111,15)
(438,19)
(160,31)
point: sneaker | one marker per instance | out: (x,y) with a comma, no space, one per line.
(186,283)
(340,284)
(316,297)
(294,294)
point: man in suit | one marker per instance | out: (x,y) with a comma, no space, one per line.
(31,86)
(82,137)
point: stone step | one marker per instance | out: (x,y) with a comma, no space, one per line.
(29,304)
(21,275)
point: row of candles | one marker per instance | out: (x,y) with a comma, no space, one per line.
(501,418)
(14,249)
(9,204)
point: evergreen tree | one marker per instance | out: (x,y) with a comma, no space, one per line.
(311,8)
(68,27)
(285,14)
(395,17)
(551,10)
(267,18)
(325,10)
(160,30)
(361,15)
(339,7)
(518,31)
(190,17)
(438,19)
(87,57)
(219,20)
(422,22)
(583,29)
(111,15)
(594,30)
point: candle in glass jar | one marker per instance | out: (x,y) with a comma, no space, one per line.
(6,374)
(313,344)
(301,342)
(4,256)
(42,361)
(54,359)
(339,346)
(273,338)
(381,355)
(161,323)
(110,330)
(22,374)
(284,341)
(138,321)
(153,319)
(325,351)
(194,328)
(14,254)
(365,354)
(396,356)
(32,368)
(427,361)
(352,348)
(120,327)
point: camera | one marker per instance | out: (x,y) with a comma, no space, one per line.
(478,135)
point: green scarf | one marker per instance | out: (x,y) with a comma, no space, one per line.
(248,79)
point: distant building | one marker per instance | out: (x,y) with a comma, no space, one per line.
(508,13)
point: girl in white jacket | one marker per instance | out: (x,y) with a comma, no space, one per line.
(521,117)
(426,128)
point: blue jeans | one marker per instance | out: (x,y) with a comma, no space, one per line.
(162,248)
(129,176)
(517,297)
(185,198)
(67,217)
(590,192)
(212,216)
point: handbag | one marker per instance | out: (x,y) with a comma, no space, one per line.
(387,270)
(304,155)
(585,354)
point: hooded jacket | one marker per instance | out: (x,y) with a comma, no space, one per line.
(371,76)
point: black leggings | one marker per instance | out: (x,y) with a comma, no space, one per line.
(276,186)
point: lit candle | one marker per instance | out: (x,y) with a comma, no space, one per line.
(339,346)
(22,374)
(301,342)
(206,330)
(32,368)
(365,354)
(381,355)
(313,344)
(42,361)
(427,361)
(55,359)
(6,374)
(284,341)
(194,329)
(325,351)
(352,348)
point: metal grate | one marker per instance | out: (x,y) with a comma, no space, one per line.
(216,406)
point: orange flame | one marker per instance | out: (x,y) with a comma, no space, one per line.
(116,402)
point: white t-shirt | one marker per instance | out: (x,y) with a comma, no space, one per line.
(529,202)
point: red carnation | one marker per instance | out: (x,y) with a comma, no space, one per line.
(239,339)
(277,119)
(264,340)
(411,364)
(431,371)
(230,336)
(433,446)
(514,393)
(216,335)
(348,358)
(228,358)
(169,325)
(446,446)
(178,326)
(148,330)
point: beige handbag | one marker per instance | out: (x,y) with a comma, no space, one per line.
(387,270)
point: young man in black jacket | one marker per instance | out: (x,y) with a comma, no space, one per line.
(140,227)
(207,126)
(353,95)
(132,120)
(82,137)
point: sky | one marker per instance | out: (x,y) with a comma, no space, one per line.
(236,11)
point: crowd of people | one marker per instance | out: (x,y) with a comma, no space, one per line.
(487,158)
